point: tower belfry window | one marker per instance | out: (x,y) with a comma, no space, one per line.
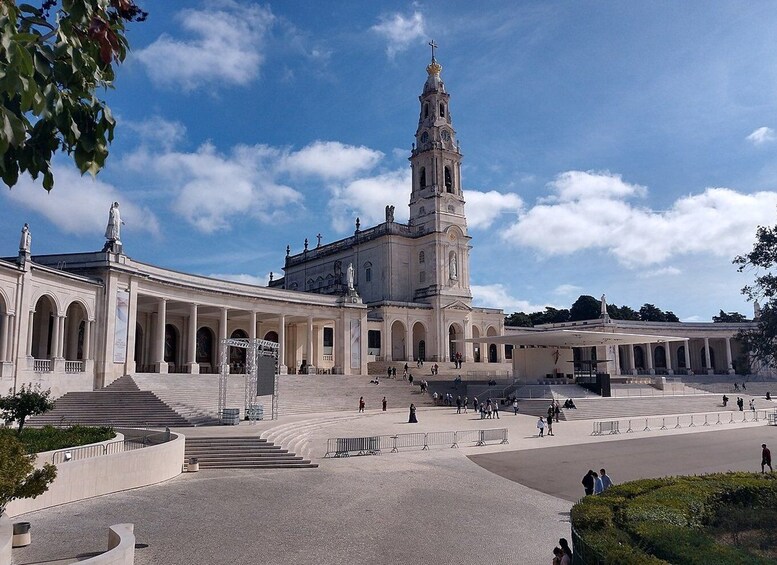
(442,110)
(426,110)
(448,180)
(422,180)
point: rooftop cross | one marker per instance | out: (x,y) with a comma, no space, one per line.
(319,240)
(433,45)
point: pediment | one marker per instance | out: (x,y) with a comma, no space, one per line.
(458,305)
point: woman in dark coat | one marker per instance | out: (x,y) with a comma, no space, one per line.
(412,419)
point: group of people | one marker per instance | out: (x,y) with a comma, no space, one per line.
(562,554)
(457,361)
(554,411)
(596,483)
(736,386)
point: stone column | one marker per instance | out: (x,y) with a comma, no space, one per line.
(669,368)
(194,367)
(617,360)
(11,337)
(3,337)
(632,366)
(161,319)
(55,339)
(339,350)
(309,347)
(649,358)
(687,354)
(729,364)
(30,328)
(282,368)
(708,357)
(409,344)
(252,326)
(61,344)
(88,340)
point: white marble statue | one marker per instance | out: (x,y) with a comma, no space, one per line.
(349,276)
(604,306)
(113,230)
(26,240)
(453,267)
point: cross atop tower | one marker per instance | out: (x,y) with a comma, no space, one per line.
(433,45)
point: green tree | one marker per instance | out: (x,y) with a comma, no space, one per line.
(518,319)
(622,313)
(729,318)
(52,61)
(671,317)
(585,308)
(28,401)
(761,341)
(18,476)
(651,313)
(550,316)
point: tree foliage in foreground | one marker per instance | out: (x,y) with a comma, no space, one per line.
(28,401)
(18,476)
(53,59)
(761,341)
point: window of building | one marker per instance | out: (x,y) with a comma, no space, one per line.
(329,340)
(422,177)
(442,110)
(426,110)
(421,211)
(368,272)
(508,351)
(421,257)
(448,180)
(373,342)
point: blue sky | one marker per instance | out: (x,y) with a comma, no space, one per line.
(609,147)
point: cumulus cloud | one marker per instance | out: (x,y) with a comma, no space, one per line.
(485,207)
(331,160)
(498,296)
(567,289)
(244,278)
(591,210)
(79,204)
(400,32)
(225,47)
(367,198)
(660,273)
(761,135)
(157,130)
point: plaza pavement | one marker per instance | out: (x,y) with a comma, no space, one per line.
(436,506)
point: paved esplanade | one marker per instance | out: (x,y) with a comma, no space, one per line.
(433,506)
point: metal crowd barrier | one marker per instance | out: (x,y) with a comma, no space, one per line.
(133,439)
(375,445)
(683,421)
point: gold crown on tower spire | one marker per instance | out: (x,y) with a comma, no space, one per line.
(434,67)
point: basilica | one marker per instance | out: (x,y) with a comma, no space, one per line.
(390,292)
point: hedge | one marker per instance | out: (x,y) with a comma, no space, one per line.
(679,520)
(49,438)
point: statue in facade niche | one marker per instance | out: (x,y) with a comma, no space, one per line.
(25,242)
(349,276)
(453,267)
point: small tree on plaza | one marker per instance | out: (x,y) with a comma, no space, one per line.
(28,401)
(18,476)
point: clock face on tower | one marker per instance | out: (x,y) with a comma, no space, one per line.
(425,137)
(446,135)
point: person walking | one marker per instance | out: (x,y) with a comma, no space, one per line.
(515,406)
(557,410)
(766,458)
(588,482)
(606,480)
(541,427)
(361,404)
(475,404)
(496,409)
(412,419)
(458,405)
(393,372)
(466,400)
(564,545)
(384,403)
(489,409)
(598,486)
(482,411)
(550,425)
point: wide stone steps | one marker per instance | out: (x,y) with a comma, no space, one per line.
(123,408)
(249,452)
(621,408)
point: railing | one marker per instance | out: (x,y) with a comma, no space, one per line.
(139,441)
(646,424)
(328,357)
(375,445)
(583,554)
(41,365)
(74,366)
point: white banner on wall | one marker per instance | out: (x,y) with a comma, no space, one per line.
(356,344)
(122,326)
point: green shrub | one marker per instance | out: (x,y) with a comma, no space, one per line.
(37,440)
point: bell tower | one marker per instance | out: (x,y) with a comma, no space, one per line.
(436,199)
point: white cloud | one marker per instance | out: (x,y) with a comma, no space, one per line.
(590,210)
(367,198)
(662,272)
(400,32)
(497,296)
(242,278)
(485,207)
(157,130)
(331,160)
(225,47)
(567,289)
(79,204)
(761,135)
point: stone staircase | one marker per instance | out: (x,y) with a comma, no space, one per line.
(445,369)
(242,452)
(619,408)
(119,405)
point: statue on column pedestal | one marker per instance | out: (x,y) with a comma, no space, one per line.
(113,230)
(26,240)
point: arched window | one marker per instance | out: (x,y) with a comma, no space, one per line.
(422,178)
(368,272)
(639,357)
(681,357)
(448,180)
(442,110)
(426,110)
(421,257)
(659,357)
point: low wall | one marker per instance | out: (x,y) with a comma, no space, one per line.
(6,539)
(104,474)
(121,547)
